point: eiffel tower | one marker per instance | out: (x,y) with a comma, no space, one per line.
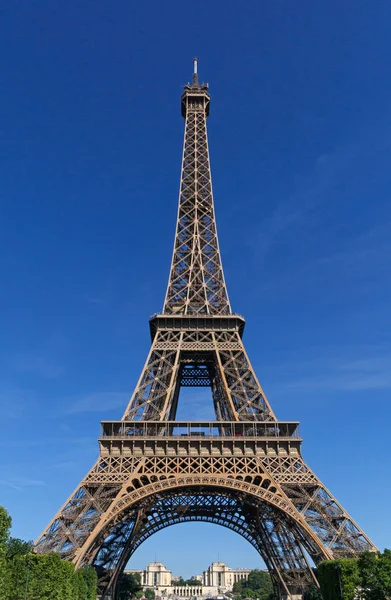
(244,470)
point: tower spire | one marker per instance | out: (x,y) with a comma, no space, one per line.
(196,284)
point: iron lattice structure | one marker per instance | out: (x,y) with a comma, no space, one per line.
(243,471)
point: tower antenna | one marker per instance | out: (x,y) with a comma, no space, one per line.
(195,71)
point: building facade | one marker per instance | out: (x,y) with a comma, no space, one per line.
(221,576)
(155,576)
(217,579)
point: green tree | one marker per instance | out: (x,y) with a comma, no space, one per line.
(370,586)
(350,577)
(192,581)
(80,587)
(50,578)
(383,572)
(91,578)
(149,594)
(260,581)
(313,593)
(85,584)
(17,571)
(375,571)
(336,576)
(5,526)
(18,547)
(237,587)
(39,576)
(258,585)
(128,586)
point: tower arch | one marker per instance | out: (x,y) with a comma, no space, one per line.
(256,515)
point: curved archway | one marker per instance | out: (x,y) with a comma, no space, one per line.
(141,490)
(258,514)
(189,547)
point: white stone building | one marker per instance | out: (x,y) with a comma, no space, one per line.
(155,576)
(217,579)
(220,576)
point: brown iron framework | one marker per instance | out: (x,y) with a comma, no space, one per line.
(243,471)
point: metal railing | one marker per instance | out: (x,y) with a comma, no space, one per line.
(201,429)
(196,315)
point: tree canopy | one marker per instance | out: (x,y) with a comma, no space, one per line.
(191,581)
(375,571)
(258,585)
(5,526)
(39,576)
(128,586)
(313,593)
(370,575)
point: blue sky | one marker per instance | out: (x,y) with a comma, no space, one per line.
(91,137)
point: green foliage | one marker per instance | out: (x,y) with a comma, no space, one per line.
(17,570)
(17,547)
(370,575)
(375,571)
(258,585)
(367,564)
(85,584)
(350,577)
(237,587)
(5,526)
(149,594)
(129,586)
(39,576)
(336,576)
(48,577)
(383,572)
(328,580)
(92,581)
(313,593)
(190,581)
(79,585)
(260,581)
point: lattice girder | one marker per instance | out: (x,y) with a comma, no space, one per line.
(236,390)
(196,283)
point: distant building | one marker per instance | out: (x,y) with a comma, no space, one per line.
(155,576)
(219,575)
(217,579)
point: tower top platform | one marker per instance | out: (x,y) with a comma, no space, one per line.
(195,94)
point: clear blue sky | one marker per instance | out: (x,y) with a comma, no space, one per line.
(91,137)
